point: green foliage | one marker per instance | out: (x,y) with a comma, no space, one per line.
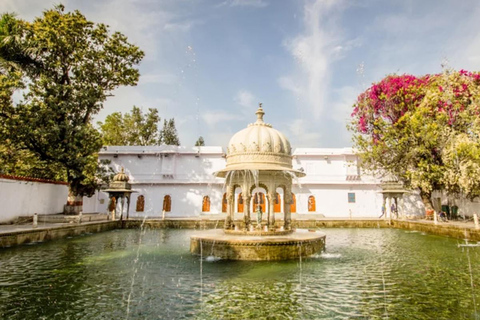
(424,130)
(131,129)
(70,66)
(200,142)
(168,135)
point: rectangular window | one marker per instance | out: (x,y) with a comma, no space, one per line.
(351,197)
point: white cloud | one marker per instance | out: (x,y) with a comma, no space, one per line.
(183,26)
(132,19)
(341,108)
(244,3)
(467,43)
(212,118)
(314,50)
(218,137)
(165,78)
(27,9)
(302,133)
(287,83)
(124,98)
(248,3)
(245,99)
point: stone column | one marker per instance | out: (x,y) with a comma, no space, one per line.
(395,200)
(384,205)
(128,205)
(230,207)
(388,208)
(246,209)
(122,205)
(287,201)
(271,209)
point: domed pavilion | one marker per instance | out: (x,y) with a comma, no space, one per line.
(259,157)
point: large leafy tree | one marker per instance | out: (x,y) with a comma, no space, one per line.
(131,129)
(417,127)
(68,67)
(168,134)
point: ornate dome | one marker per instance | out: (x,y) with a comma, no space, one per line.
(121,176)
(259,147)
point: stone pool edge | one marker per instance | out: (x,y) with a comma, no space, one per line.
(42,234)
(28,234)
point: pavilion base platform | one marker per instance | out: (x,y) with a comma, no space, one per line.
(217,243)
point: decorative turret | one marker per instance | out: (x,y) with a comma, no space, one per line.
(121,176)
(390,183)
(120,182)
(119,188)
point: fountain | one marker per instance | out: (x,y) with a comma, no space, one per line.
(258,157)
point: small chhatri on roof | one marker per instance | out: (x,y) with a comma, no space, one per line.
(121,176)
(120,183)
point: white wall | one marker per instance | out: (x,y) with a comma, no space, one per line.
(187,200)
(332,200)
(465,207)
(186,174)
(24,198)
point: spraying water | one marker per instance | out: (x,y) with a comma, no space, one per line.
(135,267)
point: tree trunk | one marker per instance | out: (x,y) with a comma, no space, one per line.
(427,202)
(74,203)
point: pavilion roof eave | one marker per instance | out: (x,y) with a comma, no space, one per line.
(120,190)
(223,173)
(394,191)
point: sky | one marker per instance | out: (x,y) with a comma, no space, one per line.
(209,63)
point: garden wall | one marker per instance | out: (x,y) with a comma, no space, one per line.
(22,197)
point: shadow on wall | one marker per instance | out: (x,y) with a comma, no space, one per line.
(413,204)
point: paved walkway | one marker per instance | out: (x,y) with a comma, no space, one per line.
(9,228)
(29,227)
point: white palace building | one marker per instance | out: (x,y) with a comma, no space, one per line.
(181,181)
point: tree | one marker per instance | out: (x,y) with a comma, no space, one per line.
(131,129)
(200,142)
(410,126)
(69,66)
(168,135)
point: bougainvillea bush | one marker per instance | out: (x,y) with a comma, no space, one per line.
(417,128)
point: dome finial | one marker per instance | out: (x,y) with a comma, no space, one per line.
(260,113)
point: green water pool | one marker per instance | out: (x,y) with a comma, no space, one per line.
(150,274)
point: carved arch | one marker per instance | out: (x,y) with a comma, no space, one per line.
(277,203)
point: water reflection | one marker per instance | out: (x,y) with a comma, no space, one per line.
(364,274)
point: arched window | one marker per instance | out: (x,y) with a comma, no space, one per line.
(167,203)
(311,204)
(259,199)
(140,204)
(277,203)
(293,206)
(206,204)
(240,203)
(224,202)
